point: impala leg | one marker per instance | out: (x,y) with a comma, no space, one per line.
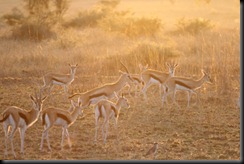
(144,90)
(14,128)
(96,128)
(22,137)
(116,127)
(48,143)
(106,132)
(43,135)
(6,129)
(173,97)
(62,141)
(189,97)
(68,136)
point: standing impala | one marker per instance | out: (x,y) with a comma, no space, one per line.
(137,80)
(14,117)
(59,117)
(151,76)
(64,80)
(186,84)
(106,91)
(107,110)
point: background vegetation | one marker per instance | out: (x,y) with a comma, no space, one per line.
(41,37)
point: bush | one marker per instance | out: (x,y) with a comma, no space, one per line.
(193,26)
(106,17)
(38,20)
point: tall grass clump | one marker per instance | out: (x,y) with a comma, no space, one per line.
(152,53)
(193,26)
(37,20)
(105,16)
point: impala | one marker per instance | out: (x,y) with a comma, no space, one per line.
(109,110)
(14,118)
(58,117)
(151,76)
(137,80)
(106,91)
(186,84)
(64,80)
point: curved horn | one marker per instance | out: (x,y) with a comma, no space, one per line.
(124,67)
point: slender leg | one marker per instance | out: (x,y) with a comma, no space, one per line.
(14,128)
(6,129)
(160,90)
(67,135)
(144,90)
(96,128)
(48,143)
(116,127)
(106,133)
(43,135)
(62,141)
(189,97)
(22,137)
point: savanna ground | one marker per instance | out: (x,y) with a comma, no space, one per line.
(208,130)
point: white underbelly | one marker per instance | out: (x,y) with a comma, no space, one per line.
(154,81)
(179,87)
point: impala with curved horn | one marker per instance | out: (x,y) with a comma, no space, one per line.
(64,80)
(151,76)
(58,117)
(107,110)
(186,84)
(107,91)
(18,118)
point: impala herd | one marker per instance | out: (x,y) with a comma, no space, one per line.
(14,118)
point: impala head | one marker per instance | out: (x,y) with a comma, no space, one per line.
(73,67)
(172,67)
(207,77)
(143,68)
(124,102)
(126,74)
(37,101)
(77,105)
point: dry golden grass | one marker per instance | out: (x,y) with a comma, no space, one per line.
(209,130)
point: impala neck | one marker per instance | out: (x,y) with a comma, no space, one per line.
(33,116)
(120,83)
(75,114)
(72,74)
(200,81)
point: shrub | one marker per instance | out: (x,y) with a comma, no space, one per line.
(193,26)
(106,17)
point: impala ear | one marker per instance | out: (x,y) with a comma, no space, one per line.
(44,98)
(72,103)
(167,64)
(121,72)
(116,95)
(32,98)
(146,66)
(203,72)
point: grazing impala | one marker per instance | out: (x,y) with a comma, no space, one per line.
(107,110)
(137,80)
(64,80)
(59,117)
(151,76)
(106,91)
(186,84)
(14,117)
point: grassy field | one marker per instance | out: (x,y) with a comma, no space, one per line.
(207,130)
